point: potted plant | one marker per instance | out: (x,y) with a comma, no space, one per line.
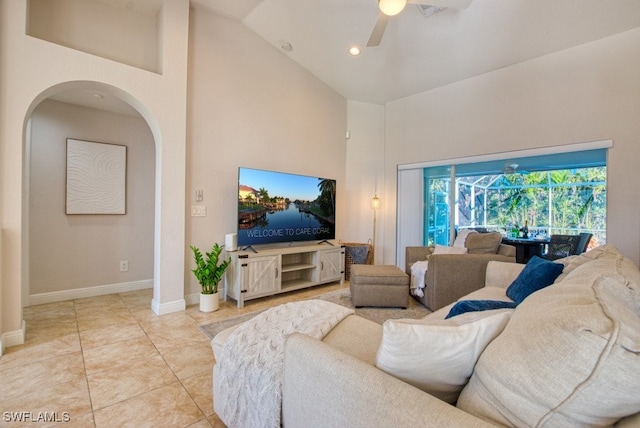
(209,273)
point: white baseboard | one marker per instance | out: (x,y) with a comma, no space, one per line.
(12,338)
(80,293)
(169,307)
(192,299)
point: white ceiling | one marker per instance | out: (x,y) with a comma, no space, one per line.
(418,53)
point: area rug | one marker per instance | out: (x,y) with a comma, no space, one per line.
(415,309)
(216,327)
(342,297)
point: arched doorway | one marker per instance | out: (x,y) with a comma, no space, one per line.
(88,249)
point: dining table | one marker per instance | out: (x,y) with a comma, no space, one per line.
(528,247)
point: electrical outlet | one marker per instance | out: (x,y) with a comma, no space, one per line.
(124,265)
(198,210)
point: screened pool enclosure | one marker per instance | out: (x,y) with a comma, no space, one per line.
(551,194)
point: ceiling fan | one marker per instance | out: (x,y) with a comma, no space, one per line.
(390,8)
(511,169)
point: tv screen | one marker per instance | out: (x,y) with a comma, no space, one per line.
(280,207)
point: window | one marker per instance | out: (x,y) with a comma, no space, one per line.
(561,193)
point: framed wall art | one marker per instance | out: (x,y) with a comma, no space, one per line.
(96,178)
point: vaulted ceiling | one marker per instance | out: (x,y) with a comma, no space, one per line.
(418,53)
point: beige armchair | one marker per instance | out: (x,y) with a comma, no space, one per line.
(451,276)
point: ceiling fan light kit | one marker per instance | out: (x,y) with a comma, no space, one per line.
(391,7)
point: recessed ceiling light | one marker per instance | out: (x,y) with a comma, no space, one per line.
(354,51)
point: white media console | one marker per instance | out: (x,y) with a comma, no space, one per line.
(278,269)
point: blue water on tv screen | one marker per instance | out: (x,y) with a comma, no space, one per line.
(281,207)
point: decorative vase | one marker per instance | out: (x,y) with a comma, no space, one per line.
(209,302)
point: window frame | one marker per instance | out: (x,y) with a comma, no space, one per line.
(410,180)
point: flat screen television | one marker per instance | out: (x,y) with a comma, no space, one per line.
(277,207)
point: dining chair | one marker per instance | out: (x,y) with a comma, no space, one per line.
(563,246)
(585,238)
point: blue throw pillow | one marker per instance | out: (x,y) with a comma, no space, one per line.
(536,275)
(478,305)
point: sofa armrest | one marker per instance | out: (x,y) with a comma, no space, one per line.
(325,387)
(502,274)
(507,250)
(414,254)
(452,276)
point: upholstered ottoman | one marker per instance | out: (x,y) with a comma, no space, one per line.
(379,285)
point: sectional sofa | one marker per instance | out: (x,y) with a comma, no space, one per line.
(567,355)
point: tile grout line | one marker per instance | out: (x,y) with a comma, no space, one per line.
(84,364)
(177,379)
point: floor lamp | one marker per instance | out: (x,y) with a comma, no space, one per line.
(375,204)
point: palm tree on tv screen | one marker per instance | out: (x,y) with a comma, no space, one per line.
(327,199)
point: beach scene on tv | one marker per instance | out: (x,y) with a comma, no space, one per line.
(279,207)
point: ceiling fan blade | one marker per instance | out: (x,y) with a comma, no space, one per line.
(455,4)
(378,30)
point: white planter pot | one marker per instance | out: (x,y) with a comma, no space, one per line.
(209,302)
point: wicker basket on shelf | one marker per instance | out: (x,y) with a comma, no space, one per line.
(355,254)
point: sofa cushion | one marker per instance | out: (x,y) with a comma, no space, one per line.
(484,293)
(438,355)
(464,306)
(537,274)
(483,243)
(569,355)
(356,336)
(573,262)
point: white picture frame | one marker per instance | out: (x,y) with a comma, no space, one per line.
(96,178)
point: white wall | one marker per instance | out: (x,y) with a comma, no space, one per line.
(365,174)
(122,34)
(70,252)
(588,93)
(32,70)
(250,105)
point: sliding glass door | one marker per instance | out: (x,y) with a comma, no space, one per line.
(561,193)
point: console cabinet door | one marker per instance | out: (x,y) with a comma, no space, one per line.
(260,276)
(331,264)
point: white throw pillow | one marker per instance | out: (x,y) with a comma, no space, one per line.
(461,238)
(442,249)
(438,355)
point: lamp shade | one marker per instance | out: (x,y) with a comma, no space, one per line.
(391,7)
(375,202)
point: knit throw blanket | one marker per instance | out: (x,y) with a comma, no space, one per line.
(248,377)
(418,271)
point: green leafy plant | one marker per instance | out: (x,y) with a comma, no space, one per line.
(208,271)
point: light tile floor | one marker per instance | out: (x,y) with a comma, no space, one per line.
(109,361)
